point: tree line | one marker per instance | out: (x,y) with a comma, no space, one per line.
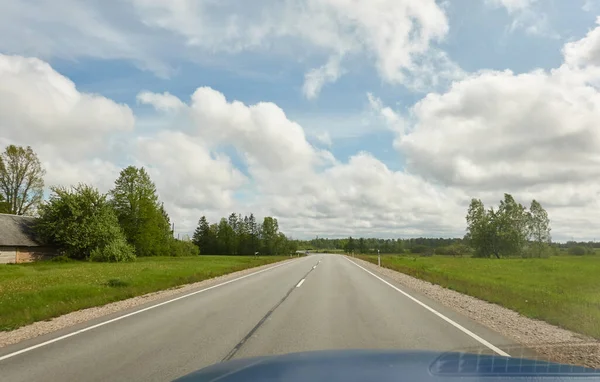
(372,245)
(128,221)
(237,235)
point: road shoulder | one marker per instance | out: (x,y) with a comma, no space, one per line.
(548,341)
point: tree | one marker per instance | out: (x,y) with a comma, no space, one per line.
(233,224)
(4,206)
(539,228)
(202,236)
(479,230)
(21,180)
(350,245)
(269,235)
(254,232)
(143,219)
(83,225)
(511,221)
(505,231)
(225,238)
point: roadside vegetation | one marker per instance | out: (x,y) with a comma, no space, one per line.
(43,290)
(506,257)
(128,222)
(561,290)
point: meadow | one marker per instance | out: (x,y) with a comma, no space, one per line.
(43,290)
(561,290)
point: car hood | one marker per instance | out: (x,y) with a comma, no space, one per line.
(383,366)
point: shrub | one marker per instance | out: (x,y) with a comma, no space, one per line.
(80,221)
(61,259)
(580,251)
(116,283)
(180,248)
(117,250)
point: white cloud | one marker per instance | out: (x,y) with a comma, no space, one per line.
(395,35)
(528,16)
(42,108)
(533,134)
(512,5)
(392,119)
(262,133)
(590,6)
(584,52)
(164,102)
(315,79)
(189,178)
(324,138)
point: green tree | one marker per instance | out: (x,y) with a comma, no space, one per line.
(269,235)
(202,236)
(21,180)
(234,223)
(142,218)
(350,245)
(83,225)
(539,228)
(254,231)
(4,206)
(362,247)
(511,221)
(478,228)
(225,238)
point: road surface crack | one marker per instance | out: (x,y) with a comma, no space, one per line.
(239,345)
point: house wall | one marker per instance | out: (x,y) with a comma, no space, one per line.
(29,254)
(8,255)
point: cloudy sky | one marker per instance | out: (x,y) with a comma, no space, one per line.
(339,117)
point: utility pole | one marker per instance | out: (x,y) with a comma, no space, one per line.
(378,258)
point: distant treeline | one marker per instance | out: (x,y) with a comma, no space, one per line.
(239,235)
(371,245)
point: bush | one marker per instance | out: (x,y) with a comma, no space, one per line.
(117,250)
(61,259)
(580,251)
(116,283)
(180,248)
(80,222)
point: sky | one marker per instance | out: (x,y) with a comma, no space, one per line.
(379,118)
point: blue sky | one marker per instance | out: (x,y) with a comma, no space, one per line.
(479,38)
(392,81)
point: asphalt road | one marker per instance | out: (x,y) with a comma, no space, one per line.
(314,303)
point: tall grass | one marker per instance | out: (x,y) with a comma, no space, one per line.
(561,290)
(40,291)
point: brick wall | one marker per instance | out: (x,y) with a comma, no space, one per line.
(29,254)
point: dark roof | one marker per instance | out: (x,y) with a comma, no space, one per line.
(17,231)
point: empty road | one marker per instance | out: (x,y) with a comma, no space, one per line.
(316,302)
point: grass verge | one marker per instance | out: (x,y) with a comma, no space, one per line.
(40,291)
(563,291)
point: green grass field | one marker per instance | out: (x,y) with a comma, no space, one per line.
(561,290)
(40,291)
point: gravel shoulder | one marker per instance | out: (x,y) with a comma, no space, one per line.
(45,327)
(550,342)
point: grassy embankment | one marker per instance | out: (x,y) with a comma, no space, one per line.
(561,290)
(40,291)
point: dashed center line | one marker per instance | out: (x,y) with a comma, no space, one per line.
(300,283)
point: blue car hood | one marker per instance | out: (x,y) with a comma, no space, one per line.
(384,366)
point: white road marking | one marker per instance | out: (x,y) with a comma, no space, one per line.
(300,283)
(2,358)
(314,267)
(456,325)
